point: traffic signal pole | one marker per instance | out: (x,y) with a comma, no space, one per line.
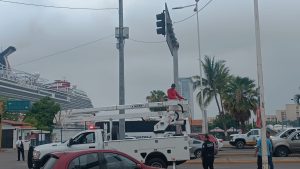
(165,28)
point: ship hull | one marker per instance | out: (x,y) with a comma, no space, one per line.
(12,90)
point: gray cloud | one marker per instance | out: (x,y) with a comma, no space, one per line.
(226,29)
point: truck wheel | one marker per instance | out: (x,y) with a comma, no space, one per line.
(157,162)
(197,153)
(281,151)
(239,144)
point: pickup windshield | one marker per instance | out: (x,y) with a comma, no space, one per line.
(285,133)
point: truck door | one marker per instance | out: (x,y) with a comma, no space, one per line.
(252,136)
(86,140)
(295,142)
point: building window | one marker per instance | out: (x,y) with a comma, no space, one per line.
(283,116)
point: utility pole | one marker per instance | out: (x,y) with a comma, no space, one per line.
(203,109)
(260,87)
(121,71)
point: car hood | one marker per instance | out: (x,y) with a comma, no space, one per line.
(278,139)
(52,146)
(237,135)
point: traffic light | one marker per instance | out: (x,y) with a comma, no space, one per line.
(161,24)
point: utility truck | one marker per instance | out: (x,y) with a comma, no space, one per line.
(159,151)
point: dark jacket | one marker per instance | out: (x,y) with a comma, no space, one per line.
(207,149)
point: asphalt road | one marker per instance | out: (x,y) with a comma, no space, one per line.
(239,166)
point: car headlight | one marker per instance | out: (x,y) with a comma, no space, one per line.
(36,155)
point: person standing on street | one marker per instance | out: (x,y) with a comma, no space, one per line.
(20,147)
(258,152)
(207,153)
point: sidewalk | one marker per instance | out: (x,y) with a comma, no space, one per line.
(8,160)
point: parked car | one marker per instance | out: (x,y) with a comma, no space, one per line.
(284,146)
(196,147)
(200,136)
(91,159)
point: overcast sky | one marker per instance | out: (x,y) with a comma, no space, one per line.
(226,30)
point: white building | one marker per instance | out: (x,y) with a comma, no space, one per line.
(187,91)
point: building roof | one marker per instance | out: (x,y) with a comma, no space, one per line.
(17,124)
(196,122)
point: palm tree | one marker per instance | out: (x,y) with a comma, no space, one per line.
(157,96)
(240,99)
(217,77)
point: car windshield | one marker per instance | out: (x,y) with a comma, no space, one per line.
(278,134)
(50,163)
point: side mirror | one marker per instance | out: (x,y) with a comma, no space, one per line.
(71,142)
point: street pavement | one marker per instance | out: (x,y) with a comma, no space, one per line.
(8,160)
(238,166)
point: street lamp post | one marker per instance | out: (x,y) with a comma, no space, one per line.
(260,87)
(203,110)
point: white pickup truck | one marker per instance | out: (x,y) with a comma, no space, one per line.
(249,139)
(158,152)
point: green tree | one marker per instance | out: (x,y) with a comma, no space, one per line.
(240,99)
(227,118)
(217,75)
(217,78)
(157,96)
(42,113)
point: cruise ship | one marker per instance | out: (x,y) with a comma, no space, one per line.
(19,85)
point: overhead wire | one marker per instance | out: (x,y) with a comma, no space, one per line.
(64,51)
(141,41)
(52,6)
(175,22)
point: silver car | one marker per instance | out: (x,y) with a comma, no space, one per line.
(196,146)
(284,146)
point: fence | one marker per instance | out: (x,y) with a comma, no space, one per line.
(63,134)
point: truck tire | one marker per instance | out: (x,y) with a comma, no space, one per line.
(157,162)
(197,153)
(281,151)
(240,144)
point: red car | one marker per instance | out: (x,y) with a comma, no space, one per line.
(211,138)
(91,159)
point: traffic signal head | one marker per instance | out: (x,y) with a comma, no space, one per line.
(161,24)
